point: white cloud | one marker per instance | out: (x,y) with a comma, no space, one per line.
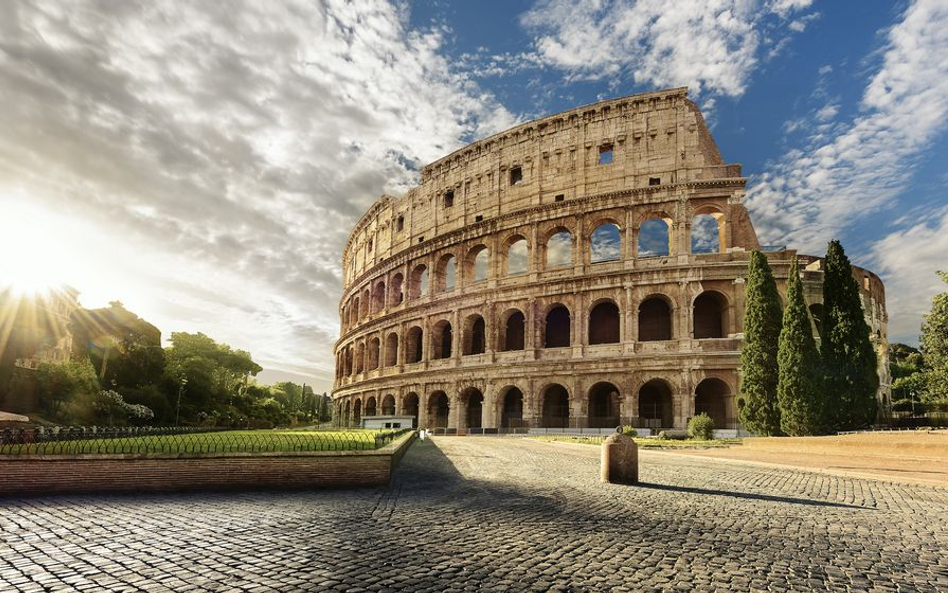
(709,46)
(908,259)
(847,171)
(223,151)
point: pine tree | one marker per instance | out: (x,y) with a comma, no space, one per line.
(759,411)
(798,387)
(849,360)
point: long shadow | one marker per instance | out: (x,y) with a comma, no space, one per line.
(750,496)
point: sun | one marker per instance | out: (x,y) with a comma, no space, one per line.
(34,251)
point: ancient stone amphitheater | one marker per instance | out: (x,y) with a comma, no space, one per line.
(582,270)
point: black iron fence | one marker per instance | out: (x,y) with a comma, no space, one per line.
(154,441)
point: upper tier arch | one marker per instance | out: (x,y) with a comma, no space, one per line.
(657,138)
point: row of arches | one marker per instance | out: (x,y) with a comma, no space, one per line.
(558,248)
(553,406)
(656,314)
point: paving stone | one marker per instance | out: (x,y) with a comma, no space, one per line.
(495,514)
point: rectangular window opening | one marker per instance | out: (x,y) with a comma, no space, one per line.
(605,155)
(400,224)
(516,175)
(449,198)
(559,197)
(479,218)
(654,180)
(421,239)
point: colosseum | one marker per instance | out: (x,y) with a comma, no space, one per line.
(583,270)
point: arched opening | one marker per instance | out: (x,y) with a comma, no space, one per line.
(474,330)
(655,403)
(604,323)
(357,413)
(559,249)
(712,397)
(511,414)
(605,243)
(514,331)
(655,320)
(366,303)
(438,408)
(378,299)
(556,332)
(391,350)
(707,234)
(419,282)
(395,293)
(373,354)
(355,310)
(360,358)
(414,347)
(604,404)
(654,237)
(816,312)
(410,407)
(350,368)
(555,407)
(477,264)
(446,274)
(388,405)
(710,315)
(347,418)
(441,338)
(370,407)
(518,256)
(473,401)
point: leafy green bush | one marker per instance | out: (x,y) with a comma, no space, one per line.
(701,427)
(630,432)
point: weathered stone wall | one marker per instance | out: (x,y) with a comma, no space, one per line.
(645,338)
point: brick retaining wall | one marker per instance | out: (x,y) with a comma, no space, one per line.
(57,474)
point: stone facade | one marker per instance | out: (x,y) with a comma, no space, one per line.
(482,299)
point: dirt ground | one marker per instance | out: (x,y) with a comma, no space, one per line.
(919,457)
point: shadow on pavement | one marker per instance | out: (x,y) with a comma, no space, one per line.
(749,496)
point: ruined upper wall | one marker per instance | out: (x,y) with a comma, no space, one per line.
(655,138)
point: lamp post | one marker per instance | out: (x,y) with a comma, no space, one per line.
(177,411)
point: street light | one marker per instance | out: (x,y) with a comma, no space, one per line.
(177,411)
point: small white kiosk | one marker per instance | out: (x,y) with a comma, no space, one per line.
(388,422)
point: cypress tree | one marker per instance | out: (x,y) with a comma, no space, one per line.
(849,360)
(758,409)
(798,387)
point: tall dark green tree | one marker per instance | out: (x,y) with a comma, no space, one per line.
(759,411)
(798,387)
(850,364)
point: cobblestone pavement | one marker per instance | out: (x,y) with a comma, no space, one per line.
(465,514)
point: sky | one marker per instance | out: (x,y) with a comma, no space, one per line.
(203,162)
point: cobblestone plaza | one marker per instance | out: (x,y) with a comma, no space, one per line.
(496,514)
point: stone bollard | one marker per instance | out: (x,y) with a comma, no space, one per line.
(619,460)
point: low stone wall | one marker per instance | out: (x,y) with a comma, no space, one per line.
(919,444)
(29,475)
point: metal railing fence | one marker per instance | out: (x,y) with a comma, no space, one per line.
(25,442)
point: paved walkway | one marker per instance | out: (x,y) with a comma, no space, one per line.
(466,514)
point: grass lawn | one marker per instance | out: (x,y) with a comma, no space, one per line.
(231,441)
(643,443)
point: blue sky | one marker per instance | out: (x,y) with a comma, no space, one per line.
(203,164)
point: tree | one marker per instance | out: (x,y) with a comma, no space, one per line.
(934,347)
(64,389)
(798,389)
(907,367)
(850,364)
(758,410)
